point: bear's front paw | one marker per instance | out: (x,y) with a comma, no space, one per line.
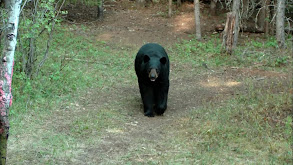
(160,110)
(149,114)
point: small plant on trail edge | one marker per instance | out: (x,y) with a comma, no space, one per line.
(281,61)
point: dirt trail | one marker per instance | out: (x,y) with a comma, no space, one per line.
(142,134)
(126,25)
(147,138)
(129,27)
(106,125)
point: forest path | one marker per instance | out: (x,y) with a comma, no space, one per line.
(106,125)
(139,139)
(142,138)
(124,24)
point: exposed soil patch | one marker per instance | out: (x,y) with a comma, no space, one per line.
(124,25)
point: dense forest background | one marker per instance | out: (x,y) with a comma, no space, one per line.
(75,93)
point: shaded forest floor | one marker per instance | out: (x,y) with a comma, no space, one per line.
(224,114)
(125,24)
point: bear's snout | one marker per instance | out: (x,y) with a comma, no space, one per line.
(153,75)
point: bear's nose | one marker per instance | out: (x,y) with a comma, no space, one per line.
(153,75)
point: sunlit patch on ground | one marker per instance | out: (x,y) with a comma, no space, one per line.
(216,82)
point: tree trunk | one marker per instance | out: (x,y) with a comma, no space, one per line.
(197,19)
(6,71)
(231,31)
(245,8)
(140,3)
(213,6)
(100,14)
(261,17)
(170,8)
(267,17)
(179,3)
(280,16)
(31,58)
(228,33)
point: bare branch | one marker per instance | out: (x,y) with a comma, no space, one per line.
(50,38)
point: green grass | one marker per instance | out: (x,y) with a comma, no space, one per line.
(75,65)
(55,119)
(262,54)
(240,130)
(196,52)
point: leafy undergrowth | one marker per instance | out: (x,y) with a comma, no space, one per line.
(83,106)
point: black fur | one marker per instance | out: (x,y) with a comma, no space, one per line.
(154,94)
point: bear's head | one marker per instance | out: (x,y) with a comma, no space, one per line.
(154,66)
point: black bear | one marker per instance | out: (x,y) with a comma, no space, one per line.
(152,68)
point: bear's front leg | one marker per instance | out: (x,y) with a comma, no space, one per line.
(161,98)
(148,101)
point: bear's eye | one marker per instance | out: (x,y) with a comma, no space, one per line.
(157,70)
(163,60)
(146,58)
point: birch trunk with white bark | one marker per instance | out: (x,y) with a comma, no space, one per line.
(6,71)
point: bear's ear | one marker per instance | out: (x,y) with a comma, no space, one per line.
(146,58)
(163,60)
